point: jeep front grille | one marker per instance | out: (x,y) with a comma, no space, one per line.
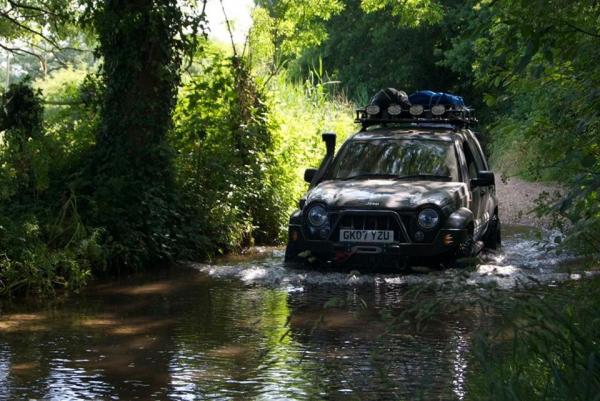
(369,220)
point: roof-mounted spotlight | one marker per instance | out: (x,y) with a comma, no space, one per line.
(438,110)
(394,110)
(416,110)
(373,110)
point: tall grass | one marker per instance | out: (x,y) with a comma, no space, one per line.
(302,111)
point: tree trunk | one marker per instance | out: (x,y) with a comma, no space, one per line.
(133,191)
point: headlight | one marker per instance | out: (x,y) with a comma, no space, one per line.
(317,216)
(428,218)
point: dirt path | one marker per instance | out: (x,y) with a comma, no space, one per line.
(517,200)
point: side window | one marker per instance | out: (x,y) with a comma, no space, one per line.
(477,152)
(471,164)
(462,163)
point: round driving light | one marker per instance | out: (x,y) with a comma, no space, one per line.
(438,109)
(428,219)
(394,110)
(373,110)
(416,110)
(317,216)
(419,236)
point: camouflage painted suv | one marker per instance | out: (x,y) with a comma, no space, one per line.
(412,186)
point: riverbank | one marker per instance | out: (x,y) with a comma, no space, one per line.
(517,201)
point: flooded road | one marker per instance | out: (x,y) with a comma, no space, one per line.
(251,329)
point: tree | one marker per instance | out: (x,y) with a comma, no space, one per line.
(539,75)
(371,46)
(142,43)
(282,29)
(44,30)
(410,13)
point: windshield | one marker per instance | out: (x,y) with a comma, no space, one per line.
(399,159)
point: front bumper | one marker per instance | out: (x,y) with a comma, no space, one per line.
(446,241)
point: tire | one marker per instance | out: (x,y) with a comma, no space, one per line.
(467,248)
(291,253)
(493,236)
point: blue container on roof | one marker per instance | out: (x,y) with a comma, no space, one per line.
(427,98)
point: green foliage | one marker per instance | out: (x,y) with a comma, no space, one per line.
(410,12)
(24,168)
(303,111)
(223,139)
(382,51)
(26,19)
(71,112)
(100,157)
(129,180)
(539,75)
(43,240)
(240,153)
(282,29)
(41,36)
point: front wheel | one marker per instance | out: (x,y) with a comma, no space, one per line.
(291,253)
(467,248)
(493,236)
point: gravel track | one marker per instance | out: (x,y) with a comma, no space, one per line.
(517,201)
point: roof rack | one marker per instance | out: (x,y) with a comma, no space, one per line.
(460,118)
(391,106)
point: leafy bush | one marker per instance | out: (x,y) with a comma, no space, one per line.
(303,111)
(539,77)
(71,98)
(241,149)
(43,240)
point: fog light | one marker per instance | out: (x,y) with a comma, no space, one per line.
(448,239)
(419,236)
(324,233)
(294,235)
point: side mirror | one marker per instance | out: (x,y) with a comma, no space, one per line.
(309,174)
(484,179)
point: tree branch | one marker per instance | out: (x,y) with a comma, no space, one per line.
(16,4)
(28,29)
(19,51)
(580,30)
(229,29)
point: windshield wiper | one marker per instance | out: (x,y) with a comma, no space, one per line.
(397,177)
(428,176)
(359,176)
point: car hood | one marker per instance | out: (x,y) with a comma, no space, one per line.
(389,194)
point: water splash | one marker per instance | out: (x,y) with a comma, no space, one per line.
(528,257)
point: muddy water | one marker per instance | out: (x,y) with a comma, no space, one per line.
(251,329)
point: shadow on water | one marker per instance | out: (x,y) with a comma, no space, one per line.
(249,328)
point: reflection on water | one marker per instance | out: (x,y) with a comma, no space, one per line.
(250,330)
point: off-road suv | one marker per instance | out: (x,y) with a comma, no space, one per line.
(412,186)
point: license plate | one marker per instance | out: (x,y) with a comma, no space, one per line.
(367,235)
